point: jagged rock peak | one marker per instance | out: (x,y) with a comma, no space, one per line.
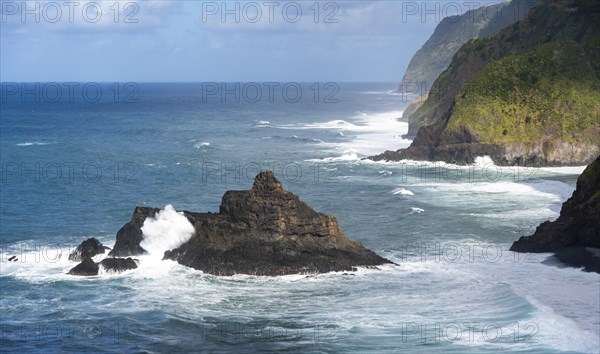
(266,181)
(265,230)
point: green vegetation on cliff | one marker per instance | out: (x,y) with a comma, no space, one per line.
(552,92)
(454,31)
(533,93)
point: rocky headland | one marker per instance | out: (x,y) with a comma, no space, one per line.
(449,36)
(266,230)
(528,95)
(575,236)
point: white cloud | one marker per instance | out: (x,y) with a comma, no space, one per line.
(84,15)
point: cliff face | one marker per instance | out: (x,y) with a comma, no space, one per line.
(449,36)
(528,95)
(412,108)
(266,230)
(454,31)
(578,225)
(550,93)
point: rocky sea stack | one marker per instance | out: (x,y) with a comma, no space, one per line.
(88,248)
(575,235)
(266,230)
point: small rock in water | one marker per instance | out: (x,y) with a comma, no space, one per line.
(87,249)
(117,265)
(87,268)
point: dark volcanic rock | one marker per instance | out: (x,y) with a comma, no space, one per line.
(117,265)
(268,231)
(87,249)
(564,154)
(580,257)
(461,148)
(578,224)
(130,235)
(87,267)
(112,265)
(263,231)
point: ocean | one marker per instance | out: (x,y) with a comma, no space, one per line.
(77,160)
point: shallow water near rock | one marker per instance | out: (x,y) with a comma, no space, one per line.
(457,287)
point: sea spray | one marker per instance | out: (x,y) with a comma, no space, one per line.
(402,191)
(168,229)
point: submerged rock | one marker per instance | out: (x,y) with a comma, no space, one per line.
(263,231)
(111,265)
(87,267)
(87,249)
(577,227)
(117,265)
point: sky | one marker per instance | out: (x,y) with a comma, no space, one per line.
(197,41)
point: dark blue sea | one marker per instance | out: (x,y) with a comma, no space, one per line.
(74,165)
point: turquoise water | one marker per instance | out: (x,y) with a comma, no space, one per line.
(73,170)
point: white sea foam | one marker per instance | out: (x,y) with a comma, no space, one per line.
(567,170)
(553,191)
(374,133)
(201,144)
(402,191)
(37,262)
(565,301)
(379,132)
(168,229)
(387,92)
(332,124)
(306,140)
(347,156)
(484,288)
(485,164)
(34,143)
(483,161)
(414,210)
(524,214)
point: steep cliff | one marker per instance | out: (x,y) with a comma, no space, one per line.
(451,33)
(577,227)
(528,95)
